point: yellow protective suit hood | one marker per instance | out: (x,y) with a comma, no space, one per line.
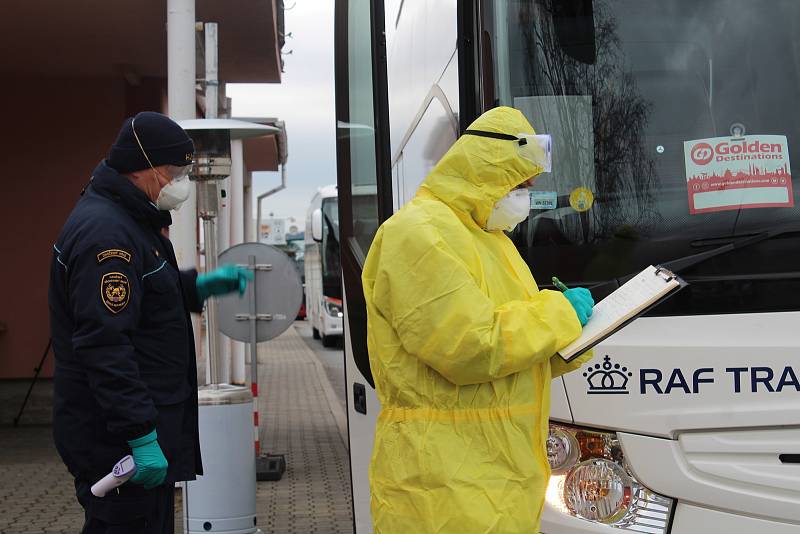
(462,348)
(478,171)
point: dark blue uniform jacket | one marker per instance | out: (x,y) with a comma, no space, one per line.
(122,334)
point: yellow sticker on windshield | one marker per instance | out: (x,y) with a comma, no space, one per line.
(581,199)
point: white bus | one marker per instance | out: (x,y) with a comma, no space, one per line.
(323,286)
(674,124)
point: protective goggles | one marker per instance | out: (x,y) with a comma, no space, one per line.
(535,148)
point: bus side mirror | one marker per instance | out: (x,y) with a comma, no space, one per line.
(316,225)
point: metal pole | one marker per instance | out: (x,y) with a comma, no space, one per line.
(222,343)
(207,196)
(212,83)
(181,105)
(217,340)
(209,229)
(181,77)
(180,59)
(236,236)
(254,349)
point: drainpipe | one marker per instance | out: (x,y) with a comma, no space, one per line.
(283,155)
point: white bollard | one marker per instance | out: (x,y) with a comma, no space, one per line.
(223,500)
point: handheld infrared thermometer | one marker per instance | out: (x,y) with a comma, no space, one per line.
(123,470)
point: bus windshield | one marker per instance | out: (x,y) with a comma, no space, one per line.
(331,266)
(673,122)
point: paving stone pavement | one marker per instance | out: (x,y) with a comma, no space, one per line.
(36,491)
(314,495)
(37,495)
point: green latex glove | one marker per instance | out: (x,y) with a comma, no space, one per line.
(226,279)
(582,301)
(151,465)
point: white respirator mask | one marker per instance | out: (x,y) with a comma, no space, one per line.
(509,211)
(174,193)
(177,191)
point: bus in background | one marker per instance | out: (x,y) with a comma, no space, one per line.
(323,274)
(674,124)
(296,249)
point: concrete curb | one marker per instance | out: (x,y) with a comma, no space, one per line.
(333,401)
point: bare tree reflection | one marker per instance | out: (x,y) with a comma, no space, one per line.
(625,177)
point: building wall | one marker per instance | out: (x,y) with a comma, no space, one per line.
(54,132)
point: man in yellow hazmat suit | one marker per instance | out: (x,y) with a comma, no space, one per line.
(462,346)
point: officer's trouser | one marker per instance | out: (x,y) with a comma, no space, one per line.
(131,510)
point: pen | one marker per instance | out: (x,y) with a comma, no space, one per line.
(559,284)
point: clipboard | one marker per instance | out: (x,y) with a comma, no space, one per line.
(630,301)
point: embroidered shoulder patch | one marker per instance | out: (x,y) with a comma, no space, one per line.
(115,291)
(114,253)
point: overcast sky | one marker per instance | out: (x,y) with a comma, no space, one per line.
(305,101)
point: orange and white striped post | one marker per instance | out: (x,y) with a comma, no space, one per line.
(254,389)
(254,351)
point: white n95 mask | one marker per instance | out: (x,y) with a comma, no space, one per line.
(509,211)
(174,193)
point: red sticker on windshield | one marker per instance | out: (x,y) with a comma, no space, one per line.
(724,173)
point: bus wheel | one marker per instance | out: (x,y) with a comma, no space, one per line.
(315,333)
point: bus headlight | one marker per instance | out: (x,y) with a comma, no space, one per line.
(562,450)
(598,490)
(333,307)
(590,480)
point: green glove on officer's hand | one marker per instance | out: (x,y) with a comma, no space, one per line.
(151,465)
(226,279)
(582,301)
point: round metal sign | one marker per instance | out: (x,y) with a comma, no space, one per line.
(278,293)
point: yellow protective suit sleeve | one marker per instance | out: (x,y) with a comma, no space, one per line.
(442,316)
(559,367)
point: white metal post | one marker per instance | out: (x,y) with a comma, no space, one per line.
(212,80)
(181,104)
(236,211)
(223,345)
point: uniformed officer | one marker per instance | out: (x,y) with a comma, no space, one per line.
(125,377)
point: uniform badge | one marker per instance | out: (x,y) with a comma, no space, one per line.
(115,291)
(114,253)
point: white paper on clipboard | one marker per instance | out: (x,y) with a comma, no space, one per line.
(624,304)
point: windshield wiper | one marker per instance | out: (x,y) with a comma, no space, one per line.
(678,265)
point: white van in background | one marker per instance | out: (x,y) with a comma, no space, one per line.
(322,267)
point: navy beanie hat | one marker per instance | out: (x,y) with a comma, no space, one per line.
(163,140)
